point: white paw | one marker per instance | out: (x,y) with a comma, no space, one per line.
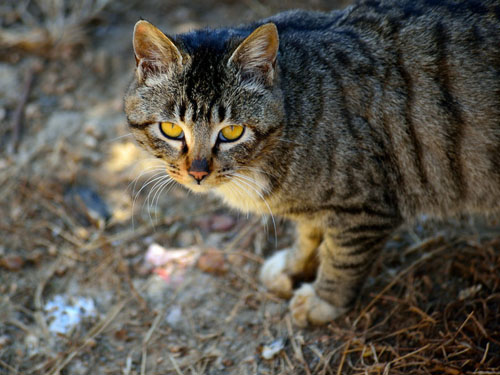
(274,277)
(306,307)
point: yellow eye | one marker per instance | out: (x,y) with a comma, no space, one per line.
(171,130)
(231,133)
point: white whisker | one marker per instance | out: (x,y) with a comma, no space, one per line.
(149,170)
(241,189)
(255,169)
(156,186)
(120,137)
(158,193)
(148,182)
(251,180)
(248,182)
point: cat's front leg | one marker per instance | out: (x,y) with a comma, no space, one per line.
(345,260)
(301,260)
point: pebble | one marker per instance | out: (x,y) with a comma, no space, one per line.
(12,262)
(4,341)
(212,261)
(222,223)
(11,85)
(174,316)
(271,350)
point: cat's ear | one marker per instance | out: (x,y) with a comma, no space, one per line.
(154,51)
(256,55)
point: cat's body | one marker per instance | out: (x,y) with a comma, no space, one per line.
(363,119)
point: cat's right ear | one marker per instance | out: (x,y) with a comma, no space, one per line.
(154,51)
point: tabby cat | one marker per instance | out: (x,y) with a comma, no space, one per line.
(349,123)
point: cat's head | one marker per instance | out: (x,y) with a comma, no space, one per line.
(208,102)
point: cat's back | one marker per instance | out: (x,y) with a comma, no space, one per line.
(417,78)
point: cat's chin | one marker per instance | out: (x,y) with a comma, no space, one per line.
(202,189)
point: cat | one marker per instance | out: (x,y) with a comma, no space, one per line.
(348,123)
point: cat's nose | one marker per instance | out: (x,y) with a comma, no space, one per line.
(199,169)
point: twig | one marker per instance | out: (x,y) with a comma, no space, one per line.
(38,300)
(296,348)
(412,266)
(410,354)
(8,367)
(95,331)
(146,339)
(174,363)
(18,116)
(344,355)
(241,235)
(485,354)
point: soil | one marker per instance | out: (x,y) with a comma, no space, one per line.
(103,273)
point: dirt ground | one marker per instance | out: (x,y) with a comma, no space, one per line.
(102,271)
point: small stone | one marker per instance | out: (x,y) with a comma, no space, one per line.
(186,238)
(4,341)
(469,292)
(227,362)
(11,85)
(222,223)
(89,141)
(237,260)
(32,111)
(157,289)
(67,102)
(82,233)
(12,262)
(78,367)
(31,342)
(174,316)
(271,350)
(121,334)
(91,343)
(212,261)
(35,256)
(177,349)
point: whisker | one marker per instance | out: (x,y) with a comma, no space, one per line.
(148,182)
(151,191)
(149,170)
(120,137)
(241,189)
(151,163)
(158,193)
(239,178)
(255,169)
(251,180)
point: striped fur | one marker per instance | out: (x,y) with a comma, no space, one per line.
(377,113)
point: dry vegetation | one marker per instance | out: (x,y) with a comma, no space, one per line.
(172,289)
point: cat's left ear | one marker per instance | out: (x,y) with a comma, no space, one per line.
(256,55)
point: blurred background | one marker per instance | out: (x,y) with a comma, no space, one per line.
(102,271)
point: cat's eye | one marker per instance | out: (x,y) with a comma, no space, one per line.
(231,133)
(171,130)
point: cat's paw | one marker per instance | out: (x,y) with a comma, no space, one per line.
(273,275)
(307,308)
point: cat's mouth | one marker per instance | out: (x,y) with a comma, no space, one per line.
(237,184)
(197,185)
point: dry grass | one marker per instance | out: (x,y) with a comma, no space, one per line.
(431,305)
(50,28)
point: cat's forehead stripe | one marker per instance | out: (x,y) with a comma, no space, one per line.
(195,112)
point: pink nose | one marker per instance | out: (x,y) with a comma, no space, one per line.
(199,175)
(199,169)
